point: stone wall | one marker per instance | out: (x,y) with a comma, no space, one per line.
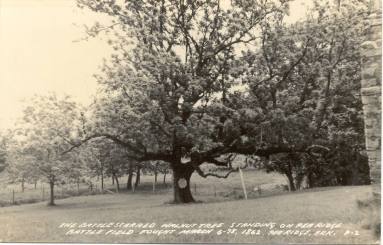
(371,92)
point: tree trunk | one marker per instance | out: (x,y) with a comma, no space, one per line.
(138,180)
(102,177)
(117,184)
(165,177)
(78,185)
(155,177)
(138,175)
(114,177)
(291,181)
(355,172)
(35,182)
(298,181)
(22,185)
(310,180)
(52,196)
(130,178)
(155,173)
(181,183)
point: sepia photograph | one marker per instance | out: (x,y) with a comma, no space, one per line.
(190,121)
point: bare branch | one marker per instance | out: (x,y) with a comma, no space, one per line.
(160,128)
(205,175)
(116,139)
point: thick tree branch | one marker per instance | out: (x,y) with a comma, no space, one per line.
(127,145)
(205,175)
(138,153)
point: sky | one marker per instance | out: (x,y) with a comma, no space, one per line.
(39,52)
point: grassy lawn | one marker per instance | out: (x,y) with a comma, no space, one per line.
(40,223)
(258,183)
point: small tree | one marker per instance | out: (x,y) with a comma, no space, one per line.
(46,129)
(3,150)
(21,168)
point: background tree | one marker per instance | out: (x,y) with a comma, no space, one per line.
(95,157)
(21,169)
(305,79)
(46,130)
(4,142)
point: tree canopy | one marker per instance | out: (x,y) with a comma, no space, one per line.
(193,81)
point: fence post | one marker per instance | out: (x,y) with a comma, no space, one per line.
(13,196)
(243,182)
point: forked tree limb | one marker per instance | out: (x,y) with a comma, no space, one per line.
(205,175)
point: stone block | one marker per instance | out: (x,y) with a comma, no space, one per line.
(370,72)
(375,34)
(375,22)
(369,45)
(374,91)
(371,53)
(373,145)
(371,132)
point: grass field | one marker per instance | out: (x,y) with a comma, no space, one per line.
(40,223)
(257,182)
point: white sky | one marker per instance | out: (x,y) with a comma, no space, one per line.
(38,55)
